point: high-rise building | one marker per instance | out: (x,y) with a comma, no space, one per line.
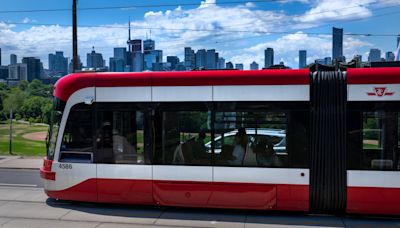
(148,45)
(121,56)
(94,60)
(33,68)
(229,65)
(120,53)
(190,60)
(137,62)
(136,45)
(151,58)
(302,59)
(134,59)
(117,65)
(201,58)
(211,59)
(18,72)
(0,56)
(158,56)
(337,44)
(148,61)
(389,56)
(13,59)
(253,66)
(4,71)
(173,61)
(58,64)
(221,63)
(268,57)
(374,55)
(239,66)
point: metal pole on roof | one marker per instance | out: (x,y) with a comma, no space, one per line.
(74,38)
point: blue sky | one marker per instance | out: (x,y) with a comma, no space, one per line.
(239,31)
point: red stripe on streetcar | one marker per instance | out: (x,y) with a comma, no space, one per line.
(384,75)
(189,194)
(373,200)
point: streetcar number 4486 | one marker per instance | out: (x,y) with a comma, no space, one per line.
(65,166)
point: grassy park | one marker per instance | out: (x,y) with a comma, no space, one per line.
(21,144)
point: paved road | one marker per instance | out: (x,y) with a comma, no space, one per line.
(20,177)
(30,207)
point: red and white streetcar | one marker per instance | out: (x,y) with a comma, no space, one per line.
(288,140)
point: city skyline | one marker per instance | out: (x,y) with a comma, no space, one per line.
(133,59)
(308,25)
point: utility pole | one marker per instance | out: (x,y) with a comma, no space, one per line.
(11,118)
(74,37)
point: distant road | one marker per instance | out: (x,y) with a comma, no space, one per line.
(20,178)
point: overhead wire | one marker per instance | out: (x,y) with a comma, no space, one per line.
(134,6)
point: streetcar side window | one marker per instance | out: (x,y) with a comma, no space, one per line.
(251,138)
(380,139)
(183,137)
(119,134)
(374,139)
(77,141)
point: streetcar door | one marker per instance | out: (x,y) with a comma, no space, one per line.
(182,172)
(260,157)
(123,174)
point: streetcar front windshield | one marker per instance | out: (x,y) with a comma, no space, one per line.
(53,133)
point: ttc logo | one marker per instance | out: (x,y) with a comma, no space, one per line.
(380,92)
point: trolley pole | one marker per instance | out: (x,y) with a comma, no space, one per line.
(74,37)
(11,116)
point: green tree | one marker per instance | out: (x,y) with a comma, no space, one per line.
(36,107)
(37,88)
(23,85)
(30,101)
(46,111)
(14,100)
(3,92)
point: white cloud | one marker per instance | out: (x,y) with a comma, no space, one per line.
(28,20)
(207,3)
(327,10)
(250,4)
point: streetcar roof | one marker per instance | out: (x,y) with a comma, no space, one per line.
(69,84)
(73,82)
